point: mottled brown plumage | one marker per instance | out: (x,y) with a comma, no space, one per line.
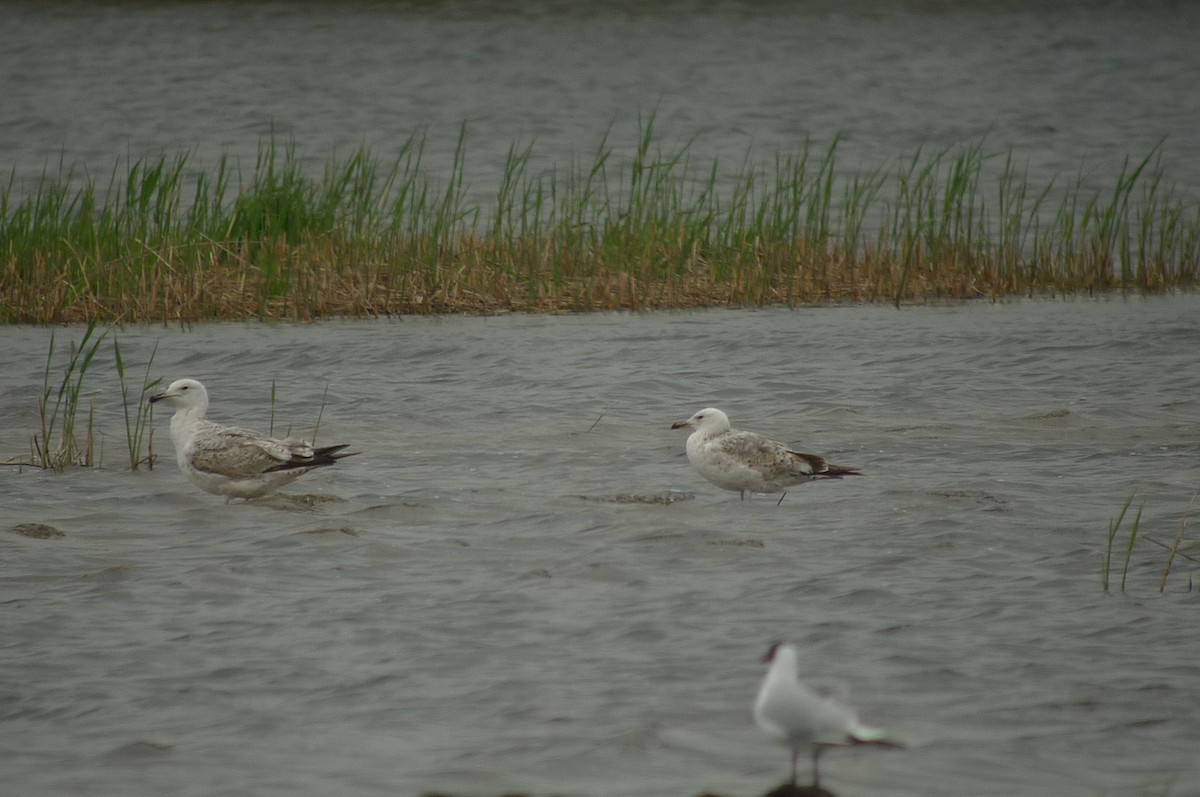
(749,462)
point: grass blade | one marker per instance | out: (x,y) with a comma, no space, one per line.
(1129,546)
(1113,525)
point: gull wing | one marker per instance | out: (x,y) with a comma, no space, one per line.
(769,457)
(803,714)
(241,453)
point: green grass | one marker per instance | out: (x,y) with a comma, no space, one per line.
(168,240)
(1114,525)
(140,425)
(56,444)
(1174,549)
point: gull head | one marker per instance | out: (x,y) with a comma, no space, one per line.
(709,419)
(184,394)
(779,649)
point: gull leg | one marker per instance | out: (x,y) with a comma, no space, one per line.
(795,756)
(780,501)
(816,771)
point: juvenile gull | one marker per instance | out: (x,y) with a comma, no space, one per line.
(745,461)
(803,718)
(235,463)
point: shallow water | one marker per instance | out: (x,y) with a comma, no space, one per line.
(489,607)
(1070,88)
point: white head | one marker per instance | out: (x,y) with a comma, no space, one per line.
(709,419)
(782,653)
(186,395)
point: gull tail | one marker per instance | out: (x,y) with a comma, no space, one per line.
(318,458)
(822,469)
(864,734)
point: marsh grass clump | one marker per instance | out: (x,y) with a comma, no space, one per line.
(58,444)
(55,444)
(1175,549)
(167,240)
(139,425)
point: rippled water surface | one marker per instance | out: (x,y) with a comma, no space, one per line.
(1070,88)
(519,584)
(522,586)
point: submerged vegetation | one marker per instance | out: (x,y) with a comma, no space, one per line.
(171,242)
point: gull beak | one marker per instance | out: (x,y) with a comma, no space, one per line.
(159,397)
(682,424)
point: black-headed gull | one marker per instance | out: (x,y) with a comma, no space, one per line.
(801,717)
(749,462)
(235,463)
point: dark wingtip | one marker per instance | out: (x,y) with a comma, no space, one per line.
(333,451)
(321,458)
(331,454)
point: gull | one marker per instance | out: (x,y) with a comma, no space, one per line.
(801,717)
(235,463)
(746,461)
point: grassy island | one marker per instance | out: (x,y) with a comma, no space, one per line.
(166,241)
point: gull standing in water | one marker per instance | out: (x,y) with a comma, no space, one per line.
(803,718)
(235,463)
(747,461)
